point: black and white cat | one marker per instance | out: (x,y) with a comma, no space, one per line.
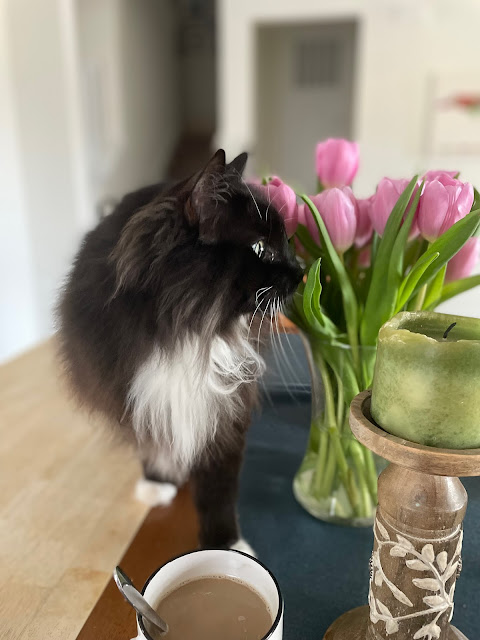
(155,330)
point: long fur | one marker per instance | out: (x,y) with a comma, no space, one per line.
(155,328)
(181,396)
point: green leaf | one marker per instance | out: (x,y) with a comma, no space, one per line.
(317,320)
(381,299)
(447,245)
(409,283)
(396,264)
(305,238)
(311,296)
(454,288)
(435,287)
(338,271)
(476,199)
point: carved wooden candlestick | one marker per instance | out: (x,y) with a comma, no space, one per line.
(418,538)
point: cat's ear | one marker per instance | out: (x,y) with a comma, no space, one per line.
(207,202)
(238,164)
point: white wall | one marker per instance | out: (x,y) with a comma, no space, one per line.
(401,43)
(45,231)
(58,58)
(129,87)
(17,323)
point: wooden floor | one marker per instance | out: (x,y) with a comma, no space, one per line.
(67,512)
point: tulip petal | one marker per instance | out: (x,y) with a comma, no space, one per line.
(463,263)
(337,162)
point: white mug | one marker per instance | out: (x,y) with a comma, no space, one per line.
(215,562)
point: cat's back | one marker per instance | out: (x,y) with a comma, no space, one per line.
(94,329)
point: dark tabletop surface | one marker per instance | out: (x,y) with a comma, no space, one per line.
(323,569)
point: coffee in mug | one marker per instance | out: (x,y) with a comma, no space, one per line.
(215,608)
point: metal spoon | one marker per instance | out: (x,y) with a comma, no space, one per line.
(138,602)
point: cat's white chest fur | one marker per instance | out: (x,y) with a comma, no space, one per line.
(178,398)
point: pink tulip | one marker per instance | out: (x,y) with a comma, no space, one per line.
(283,198)
(364,222)
(337,208)
(336,162)
(385,198)
(441,205)
(305,217)
(463,263)
(443,176)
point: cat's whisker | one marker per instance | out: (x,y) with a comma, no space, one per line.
(277,357)
(287,337)
(262,291)
(287,359)
(294,374)
(269,203)
(253,316)
(250,192)
(261,322)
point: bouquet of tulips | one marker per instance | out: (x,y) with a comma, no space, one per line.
(409,246)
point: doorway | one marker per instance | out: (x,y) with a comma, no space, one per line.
(305,77)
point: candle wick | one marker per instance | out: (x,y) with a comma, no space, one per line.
(445,335)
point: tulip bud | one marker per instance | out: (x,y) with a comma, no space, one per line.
(283,198)
(364,222)
(337,208)
(383,202)
(463,262)
(336,162)
(441,205)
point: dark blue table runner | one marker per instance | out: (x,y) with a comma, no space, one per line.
(322,568)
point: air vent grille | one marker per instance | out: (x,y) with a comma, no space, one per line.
(317,62)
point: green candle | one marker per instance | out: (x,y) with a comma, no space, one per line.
(426,386)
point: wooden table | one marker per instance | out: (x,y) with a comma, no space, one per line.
(67,511)
(68,516)
(164,534)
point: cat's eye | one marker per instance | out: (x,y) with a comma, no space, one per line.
(259,248)
(262,251)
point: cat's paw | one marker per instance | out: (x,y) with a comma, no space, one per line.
(155,494)
(242,545)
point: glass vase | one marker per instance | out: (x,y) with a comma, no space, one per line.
(337,480)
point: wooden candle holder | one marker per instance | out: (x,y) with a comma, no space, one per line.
(418,535)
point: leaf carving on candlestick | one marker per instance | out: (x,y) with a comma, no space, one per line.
(450,571)
(391,626)
(442,558)
(434,601)
(382,530)
(428,553)
(452,592)
(399,595)
(429,631)
(406,544)
(430,584)
(435,565)
(458,549)
(383,609)
(398,552)
(417,565)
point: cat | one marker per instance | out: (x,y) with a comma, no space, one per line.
(155,330)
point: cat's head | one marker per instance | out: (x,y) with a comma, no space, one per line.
(230,215)
(211,244)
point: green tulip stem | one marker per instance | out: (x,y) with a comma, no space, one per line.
(331,454)
(420,298)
